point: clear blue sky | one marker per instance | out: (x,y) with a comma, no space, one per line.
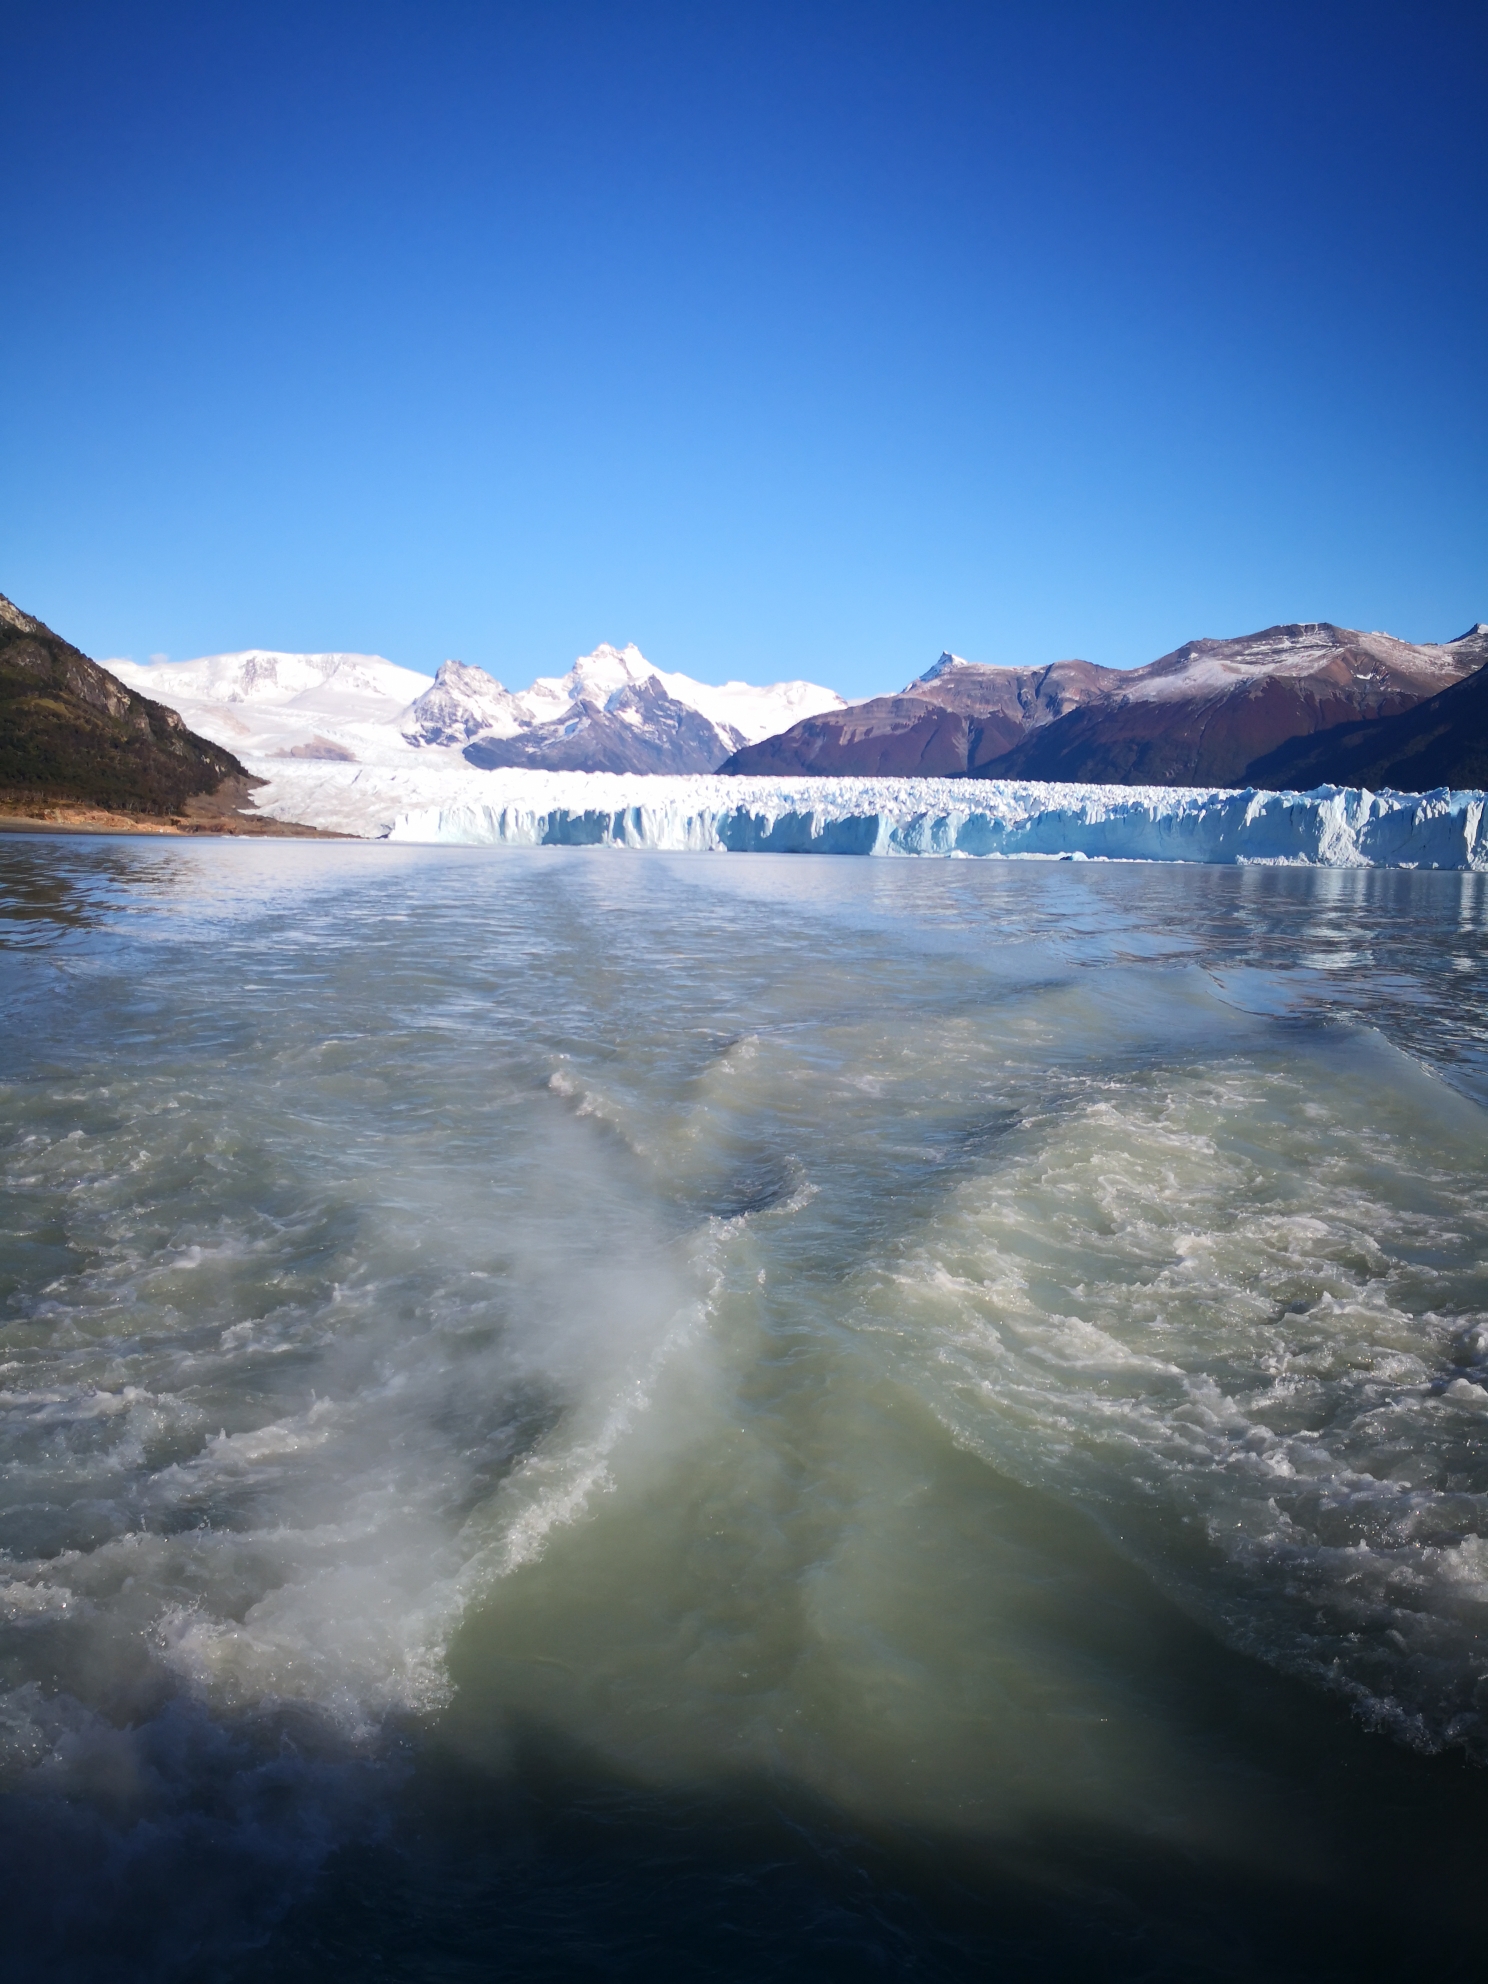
(784,339)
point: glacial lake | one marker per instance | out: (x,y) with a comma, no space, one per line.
(582,1414)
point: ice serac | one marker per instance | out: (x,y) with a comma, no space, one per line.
(1330,827)
(1208,713)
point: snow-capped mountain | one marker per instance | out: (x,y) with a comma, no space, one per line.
(460,704)
(1442,741)
(613,710)
(640,728)
(466,703)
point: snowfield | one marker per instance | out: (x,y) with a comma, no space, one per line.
(452,803)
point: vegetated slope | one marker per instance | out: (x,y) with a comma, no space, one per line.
(70,731)
(1443,741)
(1203,715)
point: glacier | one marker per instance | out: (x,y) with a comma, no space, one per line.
(454,804)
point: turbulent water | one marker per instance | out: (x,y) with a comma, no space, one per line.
(595,1414)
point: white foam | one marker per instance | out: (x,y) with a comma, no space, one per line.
(1140,1311)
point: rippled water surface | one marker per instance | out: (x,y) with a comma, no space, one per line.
(581,1414)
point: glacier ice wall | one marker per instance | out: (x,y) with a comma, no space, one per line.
(1330,827)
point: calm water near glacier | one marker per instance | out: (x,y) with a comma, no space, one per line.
(572,1414)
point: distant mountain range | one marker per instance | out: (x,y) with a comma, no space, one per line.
(1291,707)
(612,711)
(72,734)
(1210,713)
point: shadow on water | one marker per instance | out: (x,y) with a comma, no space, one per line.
(263,1850)
(565,1870)
(45,900)
(562,1868)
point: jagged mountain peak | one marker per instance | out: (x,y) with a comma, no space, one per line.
(944,665)
(454,672)
(954,671)
(461,703)
(639,727)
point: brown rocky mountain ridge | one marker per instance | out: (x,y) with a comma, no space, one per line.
(1207,714)
(1440,742)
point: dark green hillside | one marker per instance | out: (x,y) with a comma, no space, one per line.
(69,731)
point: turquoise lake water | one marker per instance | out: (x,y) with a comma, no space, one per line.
(571,1413)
